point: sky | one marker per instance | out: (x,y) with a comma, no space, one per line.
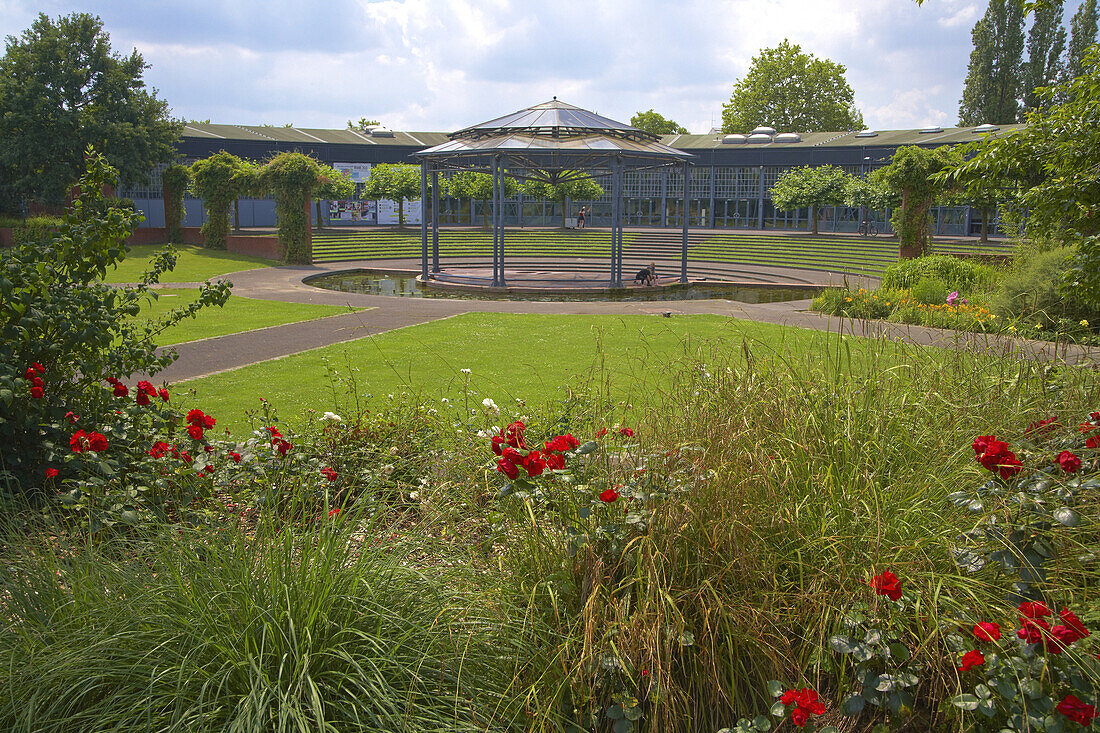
(441,65)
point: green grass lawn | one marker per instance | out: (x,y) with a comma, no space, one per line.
(238,314)
(193,264)
(534,358)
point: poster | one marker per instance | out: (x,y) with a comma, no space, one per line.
(387,212)
(359,172)
(351,211)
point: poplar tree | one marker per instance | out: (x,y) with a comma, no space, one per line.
(994,78)
(1082,34)
(1046,41)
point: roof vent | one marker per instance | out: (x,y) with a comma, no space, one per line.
(380,131)
(764,130)
(788,137)
(866,133)
(759,138)
(930,130)
(735,139)
(986,128)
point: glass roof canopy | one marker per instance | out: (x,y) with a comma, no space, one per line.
(552,142)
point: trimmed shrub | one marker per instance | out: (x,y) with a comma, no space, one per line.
(217,180)
(957,274)
(931,291)
(176,178)
(292,178)
(35,229)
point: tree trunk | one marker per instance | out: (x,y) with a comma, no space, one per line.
(813,216)
(401,212)
(236,214)
(985,226)
(318,214)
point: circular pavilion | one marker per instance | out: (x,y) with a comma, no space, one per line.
(551,142)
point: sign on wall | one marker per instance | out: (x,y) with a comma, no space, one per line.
(341,211)
(387,212)
(359,172)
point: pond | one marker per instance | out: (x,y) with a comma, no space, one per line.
(379,283)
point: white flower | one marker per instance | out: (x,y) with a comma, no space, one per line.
(331,416)
(490,405)
(464,371)
(444,400)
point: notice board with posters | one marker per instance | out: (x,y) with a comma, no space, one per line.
(341,212)
(387,212)
(358,172)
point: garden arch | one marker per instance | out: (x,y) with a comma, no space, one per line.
(551,142)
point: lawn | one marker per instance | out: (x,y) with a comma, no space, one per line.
(238,314)
(193,264)
(534,358)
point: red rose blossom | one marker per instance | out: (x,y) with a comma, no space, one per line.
(39,368)
(71,416)
(981,443)
(283,446)
(534,464)
(972,658)
(30,374)
(628,432)
(51,473)
(142,399)
(1069,462)
(37,382)
(1064,635)
(886,584)
(208,422)
(274,431)
(513,435)
(498,442)
(1034,609)
(235,456)
(163,394)
(1076,710)
(329,473)
(508,468)
(799,716)
(609,495)
(1069,618)
(601,432)
(1033,630)
(555,461)
(1042,426)
(195,417)
(77,442)
(996,457)
(36,393)
(97,442)
(195,431)
(159,449)
(987,631)
(334,512)
(121,390)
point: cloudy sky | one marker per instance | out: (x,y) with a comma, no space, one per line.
(445,64)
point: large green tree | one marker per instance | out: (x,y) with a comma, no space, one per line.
(793,91)
(656,123)
(1082,35)
(219,181)
(396,182)
(910,176)
(479,187)
(572,189)
(1046,42)
(62,88)
(810,186)
(995,77)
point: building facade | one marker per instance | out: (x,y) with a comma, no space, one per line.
(730,180)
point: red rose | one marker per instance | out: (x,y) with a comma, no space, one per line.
(121,390)
(1032,630)
(195,431)
(39,368)
(110,380)
(163,394)
(29,374)
(1094,416)
(1092,441)
(37,382)
(555,461)
(1039,425)
(142,399)
(997,457)
(235,456)
(609,496)
(511,454)
(209,449)
(334,512)
(51,473)
(194,417)
(498,441)
(799,716)
(981,443)
(71,416)
(1064,635)
(1087,428)
(1034,609)
(36,393)
(508,468)
(789,697)
(559,443)
(208,422)
(184,456)
(972,658)
(987,631)
(1076,710)
(97,442)
(329,472)
(283,446)
(534,464)
(208,469)
(1069,462)
(274,432)
(886,584)
(158,450)
(1069,618)
(601,432)
(806,697)
(513,435)
(628,432)
(77,441)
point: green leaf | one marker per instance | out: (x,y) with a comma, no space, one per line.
(898,651)
(687,638)
(623,726)
(853,705)
(761,723)
(841,644)
(587,448)
(873,636)
(778,710)
(615,712)
(862,652)
(1067,516)
(633,712)
(1032,689)
(775,688)
(966,702)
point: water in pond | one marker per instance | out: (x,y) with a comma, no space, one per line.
(377,283)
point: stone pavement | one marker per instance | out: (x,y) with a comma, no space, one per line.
(210,356)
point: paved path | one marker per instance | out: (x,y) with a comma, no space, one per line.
(210,356)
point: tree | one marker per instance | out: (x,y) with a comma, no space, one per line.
(479,187)
(995,76)
(909,175)
(794,91)
(815,187)
(1046,41)
(1082,35)
(870,192)
(175,180)
(292,178)
(655,123)
(363,124)
(219,181)
(575,189)
(62,89)
(396,182)
(334,184)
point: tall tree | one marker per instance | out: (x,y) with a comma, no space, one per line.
(1082,34)
(910,176)
(479,187)
(792,91)
(815,187)
(995,76)
(1046,42)
(396,182)
(62,89)
(576,189)
(656,123)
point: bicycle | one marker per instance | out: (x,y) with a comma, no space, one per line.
(867,229)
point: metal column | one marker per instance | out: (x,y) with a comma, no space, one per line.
(760,199)
(500,218)
(687,217)
(710,217)
(435,221)
(496,241)
(423,222)
(616,210)
(664,197)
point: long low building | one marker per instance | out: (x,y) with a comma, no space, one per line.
(730,181)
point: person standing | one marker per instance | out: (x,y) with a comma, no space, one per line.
(580,218)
